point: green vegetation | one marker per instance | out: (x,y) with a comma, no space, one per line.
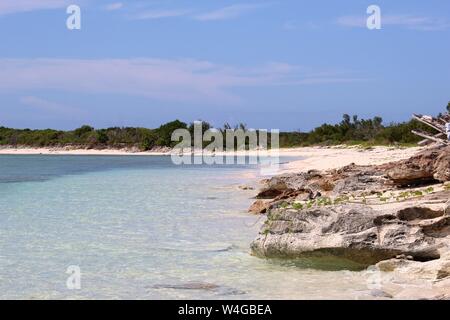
(88,137)
(350,131)
(297,206)
(354,131)
(378,198)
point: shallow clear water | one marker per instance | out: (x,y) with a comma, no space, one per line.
(142,228)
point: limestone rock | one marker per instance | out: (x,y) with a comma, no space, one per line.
(442,166)
(427,166)
(355,232)
(314,183)
(403,279)
(408,240)
(258,207)
(245,187)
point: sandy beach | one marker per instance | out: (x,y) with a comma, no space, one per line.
(320,158)
(78,152)
(335,157)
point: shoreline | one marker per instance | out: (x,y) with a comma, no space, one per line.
(79,152)
(384,211)
(404,270)
(316,157)
(331,158)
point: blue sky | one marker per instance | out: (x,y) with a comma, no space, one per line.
(286,64)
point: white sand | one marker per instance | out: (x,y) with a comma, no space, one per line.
(336,157)
(320,158)
(81,152)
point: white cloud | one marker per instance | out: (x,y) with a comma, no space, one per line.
(114,6)
(49,106)
(159,14)
(413,22)
(352,21)
(229,12)
(169,80)
(14,6)
(226,13)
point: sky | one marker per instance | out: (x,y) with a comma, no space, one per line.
(286,64)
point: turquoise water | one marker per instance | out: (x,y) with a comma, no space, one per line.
(141,228)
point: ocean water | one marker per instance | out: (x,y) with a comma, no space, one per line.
(143,228)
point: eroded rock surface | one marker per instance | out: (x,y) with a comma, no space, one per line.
(428,166)
(406,279)
(358,233)
(410,235)
(259,206)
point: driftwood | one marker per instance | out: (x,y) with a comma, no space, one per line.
(427,139)
(436,123)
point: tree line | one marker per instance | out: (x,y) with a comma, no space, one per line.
(351,130)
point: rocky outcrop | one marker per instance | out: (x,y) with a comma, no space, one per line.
(406,279)
(314,184)
(357,233)
(259,206)
(442,166)
(429,166)
(404,230)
